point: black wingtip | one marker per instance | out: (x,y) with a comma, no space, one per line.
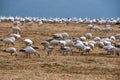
(21,50)
(35,47)
(4,50)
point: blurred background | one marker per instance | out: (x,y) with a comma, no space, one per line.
(61,8)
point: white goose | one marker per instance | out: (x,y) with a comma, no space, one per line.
(11,50)
(17,36)
(29,50)
(28,42)
(7,41)
(16,29)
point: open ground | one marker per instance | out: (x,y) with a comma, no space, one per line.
(95,66)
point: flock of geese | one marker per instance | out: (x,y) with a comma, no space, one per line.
(84,44)
(60,20)
(62,41)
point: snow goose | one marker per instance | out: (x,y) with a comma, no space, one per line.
(29,50)
(11,50)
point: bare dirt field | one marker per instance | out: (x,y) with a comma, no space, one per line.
(95,66)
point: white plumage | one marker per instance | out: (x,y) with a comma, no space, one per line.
(28,42)
(90,26)
(64,34)
(9,40)
(83,38)
(88,35)
(29,50)
(45,44)
(17,36)
(67,42)
(96,28)
(86,49)
(107,28)
(79,45)
(66,49)
(11,50)
(16,29)
(54,42)
(57,36)
(112,38)
(96,39)
(49,49)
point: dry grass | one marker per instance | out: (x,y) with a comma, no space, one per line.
(56,66)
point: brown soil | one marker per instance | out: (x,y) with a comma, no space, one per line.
(96,66)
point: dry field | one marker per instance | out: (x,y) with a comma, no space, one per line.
(96,66)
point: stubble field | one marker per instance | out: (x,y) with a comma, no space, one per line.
(95,66)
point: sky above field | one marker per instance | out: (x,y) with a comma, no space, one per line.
(60,8)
